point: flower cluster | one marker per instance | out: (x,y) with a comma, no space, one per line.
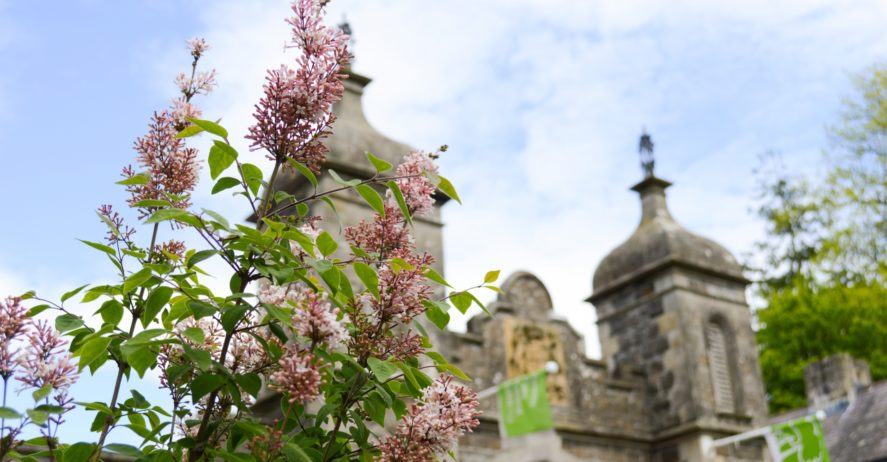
(45,361)
(118,231)
(314,317)
(198,83)
(13,322)
(417,189)
(298,377)
(172,167)
(197,46)
(448,410)
(317,320)
(386,236)
(295,113)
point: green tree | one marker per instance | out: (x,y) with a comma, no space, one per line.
(823,269)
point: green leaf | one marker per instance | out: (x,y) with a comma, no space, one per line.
(124,449)
(221,156)
(104,248)
(398,196)
(253,176)
(67,322)
(201,359)
(210,126)
(372,198)
(374,405)
(111,311)
(435,314)
(430,273)
(305,171)
(201,309)
(38,417)
(137,179)
(224,183)
(189,131)
(145,203)
(381,369)
(491,276)
(198,257)
(139,400)
(326,244)
(51,409)
(37,309)
(368,276)
(251,383)
(217,217)
(194,334)
(294,453)
(9,413)
(302,209)
(42,392)
(166,215)
(79,452)
(72,293)
(399,264)
(93,350)
(157,299)
(453,370)
(338,179)
(231,315)
(205,384)
(461,300)
(447,188)
(379,164)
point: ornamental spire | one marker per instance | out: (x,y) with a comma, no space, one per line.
(645,149)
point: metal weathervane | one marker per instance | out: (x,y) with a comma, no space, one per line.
(645,149)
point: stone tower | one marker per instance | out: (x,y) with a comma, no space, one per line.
(672,304)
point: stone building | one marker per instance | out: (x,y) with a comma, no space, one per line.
(679,367)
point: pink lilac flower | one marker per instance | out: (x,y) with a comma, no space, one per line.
(313,316)
(45,361)
(385,236)
(295,113)
(298,377)
(448,411)
(198,83)
(171,166)
(316,319)
(416,188)
(400,300)
(117,230)
(278,295)
(13,322)
(403,346)
(182,110)
(401,292)
(197,46)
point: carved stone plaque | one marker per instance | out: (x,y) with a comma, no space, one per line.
(528,346)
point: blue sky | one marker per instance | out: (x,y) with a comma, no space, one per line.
(541,103)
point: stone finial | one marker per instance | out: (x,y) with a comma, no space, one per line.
(835,378)
(527,295)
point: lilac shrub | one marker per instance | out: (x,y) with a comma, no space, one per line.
(333,328)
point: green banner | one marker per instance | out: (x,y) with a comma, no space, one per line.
(800,440)
(523,405)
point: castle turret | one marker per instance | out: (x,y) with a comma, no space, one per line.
(672,303)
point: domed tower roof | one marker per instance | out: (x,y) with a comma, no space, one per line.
(659,241)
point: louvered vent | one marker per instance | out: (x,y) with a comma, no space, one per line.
(719,364)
